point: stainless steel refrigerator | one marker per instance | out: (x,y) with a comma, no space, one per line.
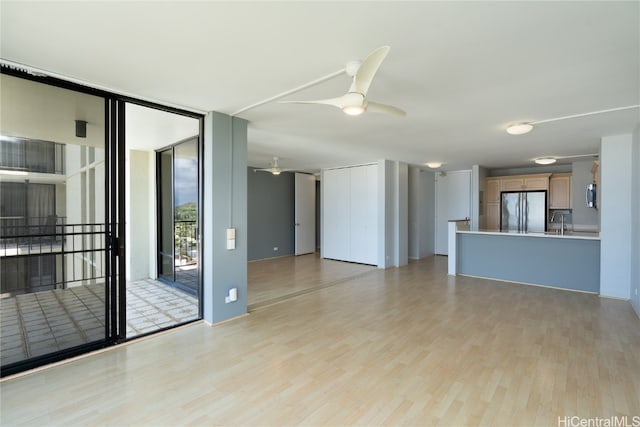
(524,211)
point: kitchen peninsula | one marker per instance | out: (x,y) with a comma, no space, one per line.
(570,261)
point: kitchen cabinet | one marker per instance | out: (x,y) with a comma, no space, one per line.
(493,216)
(493,190)
(492,204)
(525,182)
(536,182)
(512,184)
(497,184)
(560,191)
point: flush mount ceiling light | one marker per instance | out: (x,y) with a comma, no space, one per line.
(545,161)
(433,165)
(551,160)
(526,127)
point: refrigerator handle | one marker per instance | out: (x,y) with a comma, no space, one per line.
(518,211)
(525,217)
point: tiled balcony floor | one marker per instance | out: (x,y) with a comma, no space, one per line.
(39,323)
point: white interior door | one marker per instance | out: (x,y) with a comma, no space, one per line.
(305,214)
(453,201)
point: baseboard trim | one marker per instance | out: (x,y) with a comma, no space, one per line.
(231,319)
(529,284)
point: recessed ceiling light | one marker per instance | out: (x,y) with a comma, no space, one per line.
(434,165)
(545,161)
(519,129)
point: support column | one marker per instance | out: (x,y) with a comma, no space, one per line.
(615,215)
(225,206)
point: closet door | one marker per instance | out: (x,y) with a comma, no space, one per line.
(336,217)
(364,214)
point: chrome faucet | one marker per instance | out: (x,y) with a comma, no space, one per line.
(562,224)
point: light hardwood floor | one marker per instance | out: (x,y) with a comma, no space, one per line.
(272,280)
(407,346)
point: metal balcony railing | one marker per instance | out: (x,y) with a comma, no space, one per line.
(42,255)
(186,243)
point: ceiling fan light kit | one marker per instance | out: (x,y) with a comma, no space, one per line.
(353,110)
(274,169)
(355,101)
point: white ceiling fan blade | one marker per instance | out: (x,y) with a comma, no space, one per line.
(376,107)
(336,102)
(363,78)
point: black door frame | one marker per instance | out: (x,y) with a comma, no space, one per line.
(115,266)
(159,152)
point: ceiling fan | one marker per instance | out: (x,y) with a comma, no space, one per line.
(355,101)
(274,169)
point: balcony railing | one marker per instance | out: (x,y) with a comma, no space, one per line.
(186,243)
(41,255)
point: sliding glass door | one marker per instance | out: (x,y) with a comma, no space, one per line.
(57,291)
(163,286)
(178,220)
(98,238)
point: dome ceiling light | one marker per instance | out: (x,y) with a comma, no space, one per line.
(526,127)
(545,161)
(433,165)
(549,160)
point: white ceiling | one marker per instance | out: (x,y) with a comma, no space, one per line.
(463,71)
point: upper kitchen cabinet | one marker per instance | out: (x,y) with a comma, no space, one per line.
(560,191)
(497,184)
(493,190)
(526,182)
(493,204)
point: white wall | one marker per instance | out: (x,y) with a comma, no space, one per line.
(401,214)
(414,203)
(634,289)
(393,216)
(421,206)
(138,213)
(583,216)
(453,201)
(615,216)
(385,214)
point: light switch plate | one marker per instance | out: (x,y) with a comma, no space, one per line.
(231,233)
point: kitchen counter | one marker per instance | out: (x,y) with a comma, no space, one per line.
(554,234)
(570,261)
